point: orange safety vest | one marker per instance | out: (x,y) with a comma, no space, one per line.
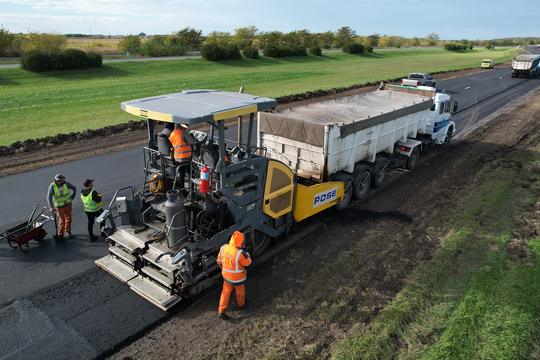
(182,151)
(233,260)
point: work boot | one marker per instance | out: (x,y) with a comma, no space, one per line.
(59,238)
(245,304)
(92,238)
(69,235)
(223,316)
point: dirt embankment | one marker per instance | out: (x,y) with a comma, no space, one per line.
(306,299)
(34,154)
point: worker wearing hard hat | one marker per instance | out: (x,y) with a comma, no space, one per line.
(181,140)
(92,201)
(232,260)
(59,200)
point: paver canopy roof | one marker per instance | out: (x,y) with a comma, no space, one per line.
(196,106)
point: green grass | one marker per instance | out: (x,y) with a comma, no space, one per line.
(470,301)
(35,105)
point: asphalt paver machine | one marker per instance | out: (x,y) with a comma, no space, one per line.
(165,238)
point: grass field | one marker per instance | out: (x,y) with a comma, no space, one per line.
(35,105)
(469,301)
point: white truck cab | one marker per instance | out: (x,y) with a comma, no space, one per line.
(439,128)
(439,124)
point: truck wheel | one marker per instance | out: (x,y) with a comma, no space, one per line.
(260,243)
(413,158)
(448,138)
(380,173)
(362,182)
(347,179)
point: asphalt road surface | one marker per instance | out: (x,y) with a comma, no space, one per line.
(55,303)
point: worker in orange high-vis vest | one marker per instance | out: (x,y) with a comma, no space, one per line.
(232,260)
(181,141)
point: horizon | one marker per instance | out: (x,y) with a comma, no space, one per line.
(415,18)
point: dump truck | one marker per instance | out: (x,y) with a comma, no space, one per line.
(526,65)
(165,237)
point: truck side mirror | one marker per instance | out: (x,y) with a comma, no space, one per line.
(455,106)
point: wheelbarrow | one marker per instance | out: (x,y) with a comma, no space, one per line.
(29,230)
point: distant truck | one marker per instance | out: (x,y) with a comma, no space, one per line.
(526,65)
(418,79)
(487,64)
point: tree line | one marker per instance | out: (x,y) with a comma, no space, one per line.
(190,39)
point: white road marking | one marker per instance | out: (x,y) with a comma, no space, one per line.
(468,87)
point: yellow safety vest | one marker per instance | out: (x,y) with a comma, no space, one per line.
(59,199)
(89,204)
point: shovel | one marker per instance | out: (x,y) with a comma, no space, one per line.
(55,236)
(31,217)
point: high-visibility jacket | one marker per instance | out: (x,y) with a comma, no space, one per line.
(233,260)
(89,204)
(61,199)
(182,151)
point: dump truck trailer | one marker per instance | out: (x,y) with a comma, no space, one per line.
(355,139)
(526,65)
(165,237)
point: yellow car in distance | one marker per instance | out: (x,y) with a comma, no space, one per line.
(487,64)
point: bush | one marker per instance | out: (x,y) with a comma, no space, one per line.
(353,48)
(59,61)
(285,51)
(298,50)
(251,52)
(35,60)
(75,59)
(231,52)
(470,47)
(176,50)
(212,52)
(271,51)
(454,47)
(94,59)
(130,43)
(368,48)
(315,50)
(336,44)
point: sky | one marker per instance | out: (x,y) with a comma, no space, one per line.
(451,20)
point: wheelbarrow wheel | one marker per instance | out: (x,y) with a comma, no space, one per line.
(14,245)
(41,235)
(23,249)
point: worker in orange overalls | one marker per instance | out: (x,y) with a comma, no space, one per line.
(232,260)
(181,140)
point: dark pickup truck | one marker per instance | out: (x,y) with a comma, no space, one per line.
(418,79)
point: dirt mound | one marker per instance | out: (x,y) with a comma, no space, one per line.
(31,145)
(321,93)
(518,252)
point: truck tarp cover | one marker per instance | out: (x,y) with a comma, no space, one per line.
(354,113)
